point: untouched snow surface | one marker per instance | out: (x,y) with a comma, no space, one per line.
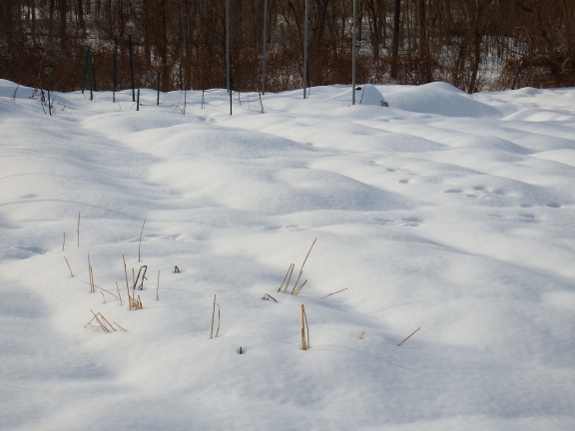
(444,211)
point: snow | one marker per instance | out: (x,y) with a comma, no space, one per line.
(448,212)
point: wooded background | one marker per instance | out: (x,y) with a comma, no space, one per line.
(472,44)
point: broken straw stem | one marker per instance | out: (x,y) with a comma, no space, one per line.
(409,336)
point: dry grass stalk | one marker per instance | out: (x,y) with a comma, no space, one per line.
(119,295)
(409,336)
(102,323)
(176,269)
(219,321)
(91,272)
(140,243)
(120,327)
(101,288)
(333,293)
(287,277)
(63,240)
(214,305)
(69,267)
(361,335)
(295,286)
(127,285)
(78,230)
(296,290)
(267,295)
(305,343)
(158,287)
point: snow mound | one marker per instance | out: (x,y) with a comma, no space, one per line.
(441,99)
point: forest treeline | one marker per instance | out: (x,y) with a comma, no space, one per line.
(472,44)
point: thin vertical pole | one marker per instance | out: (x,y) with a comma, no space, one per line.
(353,52)
(228,54)
(158,99)
(138,101)
(305,41)
(85,69)
(264,54)
(91,77)
(114,70)
(48,85)
(131,68)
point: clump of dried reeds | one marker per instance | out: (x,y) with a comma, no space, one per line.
(103,323)
(287,277)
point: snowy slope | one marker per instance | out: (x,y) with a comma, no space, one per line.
(446,212)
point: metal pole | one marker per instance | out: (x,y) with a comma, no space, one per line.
(158,99)
(228,55)
(305,38)
(91,77)
(85,70)
(48,70)
(353,52)
(114,70)
(264,55)
(131,68)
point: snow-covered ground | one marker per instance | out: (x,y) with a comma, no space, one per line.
(446,212)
